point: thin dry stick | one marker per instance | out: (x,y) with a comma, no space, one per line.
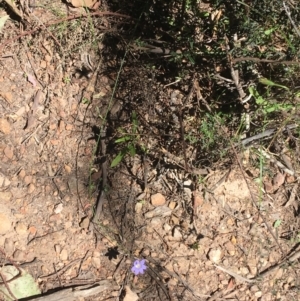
(234,74)
(235,275)
(288,13)
(258,60)
(288,259)
(102,195)
(13,278)
(7,286)
(220,295)
(63,269)
(275,136)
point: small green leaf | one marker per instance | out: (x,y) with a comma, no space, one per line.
(268,82)
(123,139)
(205,14)
(277,223)
(131,150)
(271,109)
(258,98)
(190,58)
(118,158)
(134,122)
(269,31)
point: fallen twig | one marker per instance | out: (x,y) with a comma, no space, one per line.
(77,293)
(288,13)
(102,196)
(234,74)
(258,60)
(235,275)
(266,134)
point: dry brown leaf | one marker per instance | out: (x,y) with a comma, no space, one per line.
(83,3)
(31,120)
(130,295)
(268,187)
(278,180)
(9,152)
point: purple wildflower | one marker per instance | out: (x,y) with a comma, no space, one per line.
(139,267)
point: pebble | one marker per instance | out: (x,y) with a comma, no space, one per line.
(278,274)
(21,229)
(172,205)
(4,126)
(31,188)
(4,181)
(177,234)
(85,223)
(244,270)
(55,217)
(58,208)
(57,248)
(130,295)
(27,180)
(8,152)
(64,255)
(96,260)
(215,255)
(138,207)
(43,64)
(167,227)
(5,223)
(258,294)
(156,221)
(158,199)
(5,196)
(161,211)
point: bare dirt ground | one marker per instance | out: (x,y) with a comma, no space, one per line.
(225,237)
